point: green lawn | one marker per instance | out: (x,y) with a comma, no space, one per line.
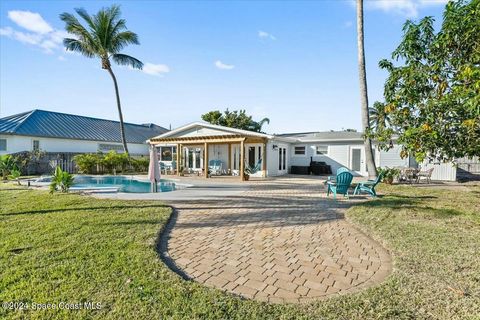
(72,248)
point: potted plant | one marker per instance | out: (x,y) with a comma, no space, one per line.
(389,174)
(246,173)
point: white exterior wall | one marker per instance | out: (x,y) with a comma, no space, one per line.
(441,171)
(391,158)
(338,155)
(273,158)
(17,143)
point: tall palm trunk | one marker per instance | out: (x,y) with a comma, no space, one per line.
(372,170)
(120,115)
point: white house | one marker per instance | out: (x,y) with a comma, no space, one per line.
(202,145)
(54,132)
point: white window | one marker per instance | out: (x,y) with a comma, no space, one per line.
(3,144)
(36,145)
(105,147)
(321,150)
(299,151)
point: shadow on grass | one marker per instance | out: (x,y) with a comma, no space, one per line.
(44,211)
(415,203)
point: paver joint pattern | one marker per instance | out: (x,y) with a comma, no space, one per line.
(282,241)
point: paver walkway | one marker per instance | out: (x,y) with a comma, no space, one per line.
(281,241)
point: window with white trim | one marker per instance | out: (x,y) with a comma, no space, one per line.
(299,151)
(36,145)
(321,150)
(3,144)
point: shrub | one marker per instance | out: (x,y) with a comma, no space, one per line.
(86,163)
(140,164)
(15,175)
(61,179)
(7,164)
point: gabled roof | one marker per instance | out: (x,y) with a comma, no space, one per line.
(222,129)
(41,123)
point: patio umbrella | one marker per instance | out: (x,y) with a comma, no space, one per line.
(153,170)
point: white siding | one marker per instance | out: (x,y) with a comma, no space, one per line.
(25,143)
(391,158)
(441,171)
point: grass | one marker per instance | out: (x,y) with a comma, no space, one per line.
(73,248)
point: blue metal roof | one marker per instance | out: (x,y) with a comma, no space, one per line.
(41,123)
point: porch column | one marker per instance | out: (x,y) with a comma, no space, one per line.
(178,159)
(229,167)
(205,160)
(242,160)
(264,160)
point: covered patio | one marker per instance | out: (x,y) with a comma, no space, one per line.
(215,154)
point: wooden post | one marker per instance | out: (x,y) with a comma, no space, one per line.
(205,160)
(178,159)
(264,160)
(229,167)
(242,160)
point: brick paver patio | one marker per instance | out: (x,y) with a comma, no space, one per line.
(281,241)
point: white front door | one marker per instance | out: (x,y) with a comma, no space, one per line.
(282,160)
(356,160)
(194,158)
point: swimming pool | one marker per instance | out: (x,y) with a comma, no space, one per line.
(121,183)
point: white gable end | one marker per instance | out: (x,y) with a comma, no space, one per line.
(201,131)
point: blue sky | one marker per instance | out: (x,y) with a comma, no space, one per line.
(294,62)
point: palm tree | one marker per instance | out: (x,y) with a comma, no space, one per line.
(258,125)
(378,117)
(104,36)
(372,170)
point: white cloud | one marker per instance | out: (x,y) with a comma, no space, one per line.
(347,24)
(266,35)
(41,34)
(407,8)
(155,69)
(31,21)
(220,65)
(61,58)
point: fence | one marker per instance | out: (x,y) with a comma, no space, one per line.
(49,161)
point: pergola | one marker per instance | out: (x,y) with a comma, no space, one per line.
(227,139)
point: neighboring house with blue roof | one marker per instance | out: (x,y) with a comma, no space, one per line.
(55,132)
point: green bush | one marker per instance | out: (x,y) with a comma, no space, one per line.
(61,180)
(86,163)
(140,164)
(15,175)
(7,164)
(112,160)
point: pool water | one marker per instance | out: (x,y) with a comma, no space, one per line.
(124,184)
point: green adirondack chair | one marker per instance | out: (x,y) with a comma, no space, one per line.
(341,184)
(339,170)
(368,186)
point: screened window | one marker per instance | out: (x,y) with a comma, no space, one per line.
(3,144)
(320,150)
(299,151)
(168,153)
(105,147)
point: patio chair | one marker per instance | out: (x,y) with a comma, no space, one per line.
(341,184)
(425,174)
(339,170)
(368,186)
(215,167)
